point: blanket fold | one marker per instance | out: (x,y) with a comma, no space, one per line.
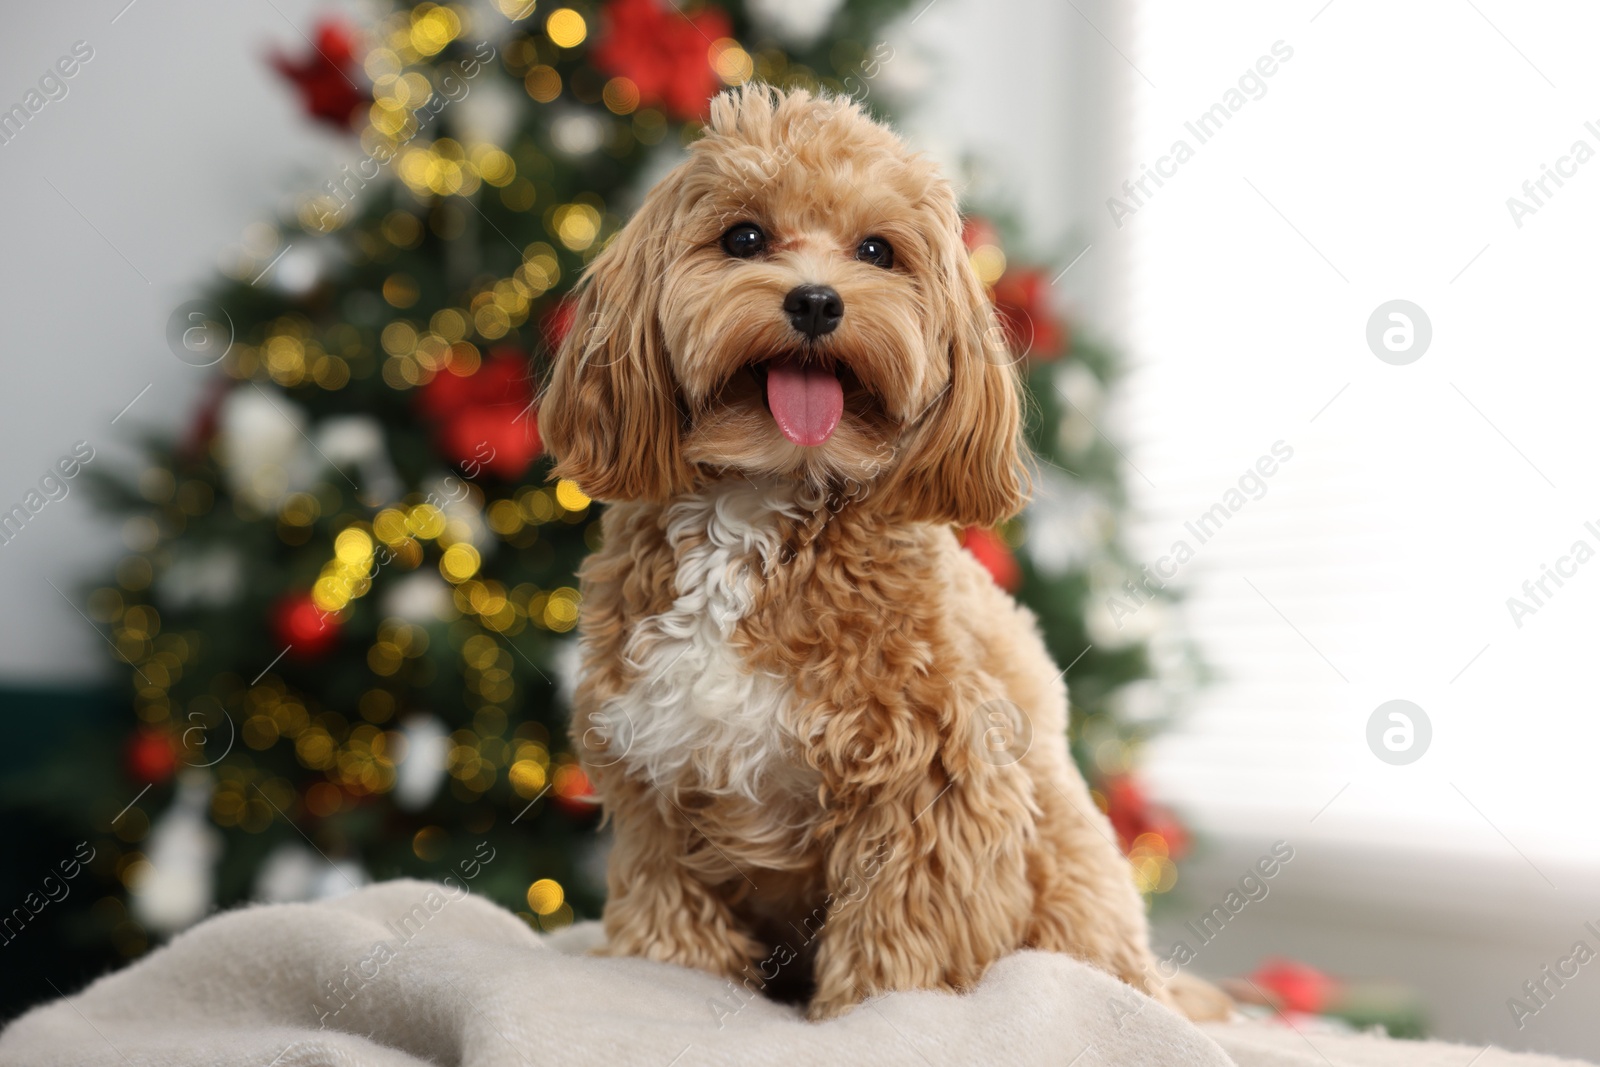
(405,973)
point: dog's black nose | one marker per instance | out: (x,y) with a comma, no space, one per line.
(813,309)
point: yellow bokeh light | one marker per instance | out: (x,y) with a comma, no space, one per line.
(464,358)
(494,165)
(527,777)
(434,29)
(540,269)
(400,290)
(1154,844)
(449,324)
(561,610)
(621,95)
(515,9)
(569,496)
(459,562)
(390,118)
(399,338)
(576,225)
(565,28)
(504,517)
(546,896)
(382,61)
(543,83)
(429,842)
(418,90)
(390,526)
(329,594)
(731,62)
(425,521)
(389,92)
(989,263)
(491,322)
(354,547)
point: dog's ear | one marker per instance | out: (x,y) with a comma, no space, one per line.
(609,413)
(964,461)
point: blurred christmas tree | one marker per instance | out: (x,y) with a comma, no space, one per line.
(349,592)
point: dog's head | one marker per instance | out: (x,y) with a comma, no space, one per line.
(795,301)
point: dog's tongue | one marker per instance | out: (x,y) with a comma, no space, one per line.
(806,400)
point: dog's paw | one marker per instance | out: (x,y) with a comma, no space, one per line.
(820,1010)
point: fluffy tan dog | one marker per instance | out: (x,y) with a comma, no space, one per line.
(806,708)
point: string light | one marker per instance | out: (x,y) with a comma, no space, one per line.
(543,83)
(432,28)
(731,62)
(546,896)
(565,28)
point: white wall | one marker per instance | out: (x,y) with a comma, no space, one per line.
(170,140)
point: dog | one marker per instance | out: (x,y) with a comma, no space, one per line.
(787,382)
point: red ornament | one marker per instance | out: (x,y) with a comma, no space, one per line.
(1132,814)
(1022,300)
(665,52)
(557,322)
(306,629)
(486,421)
(996,557)
(151,756)
(574,792)
(329,77)
(1297,986)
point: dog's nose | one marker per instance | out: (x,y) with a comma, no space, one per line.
(813,309)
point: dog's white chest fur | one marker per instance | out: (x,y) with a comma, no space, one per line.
(695,705)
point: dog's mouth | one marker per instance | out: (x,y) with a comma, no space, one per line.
(804,395)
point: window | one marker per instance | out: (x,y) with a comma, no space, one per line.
(1330,164)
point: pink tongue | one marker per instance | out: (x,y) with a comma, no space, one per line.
(805,400)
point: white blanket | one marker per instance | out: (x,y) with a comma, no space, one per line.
(409,973)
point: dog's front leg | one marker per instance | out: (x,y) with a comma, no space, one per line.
(927,886)
(658,906)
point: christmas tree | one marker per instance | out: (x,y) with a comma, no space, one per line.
(345,615)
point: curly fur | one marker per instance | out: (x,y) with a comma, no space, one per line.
(790,666)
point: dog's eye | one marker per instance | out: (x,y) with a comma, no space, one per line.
(875,250)
(744,240)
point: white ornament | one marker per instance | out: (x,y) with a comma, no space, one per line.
(1116,617)
(356,441)
(299,269)
(577,133)
(287,874)
(422,767)
(421,597)
(566,662)
(209,578)
(264,450)
(489,113)
(796,23)
(180,885)
(1068,525)
(291,873)
(1086,397)
(497,20)
(338,877)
